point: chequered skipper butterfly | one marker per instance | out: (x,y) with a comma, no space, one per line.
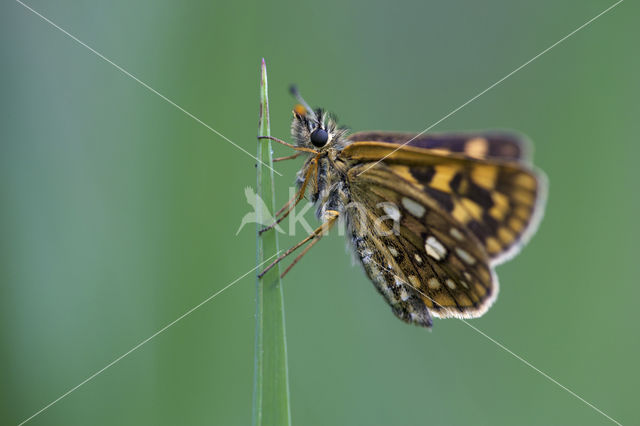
(460,203)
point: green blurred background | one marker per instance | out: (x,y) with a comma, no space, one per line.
(118,212)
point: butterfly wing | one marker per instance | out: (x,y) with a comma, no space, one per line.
(496,145)
(500,202)
(419,258)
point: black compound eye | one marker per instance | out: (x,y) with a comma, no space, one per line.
(319,137)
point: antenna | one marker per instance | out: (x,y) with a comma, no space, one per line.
(293,89)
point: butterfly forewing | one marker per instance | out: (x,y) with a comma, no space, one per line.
(500,202)
(497,145)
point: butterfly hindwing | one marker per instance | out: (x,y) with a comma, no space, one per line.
(500,202)
(428,264)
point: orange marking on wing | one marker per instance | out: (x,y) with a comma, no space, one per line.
(477,147)
(485,176)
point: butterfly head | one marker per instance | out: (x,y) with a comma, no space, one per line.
(316,129)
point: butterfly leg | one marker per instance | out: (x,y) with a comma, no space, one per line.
(314,237)
(288,207)
(327,225)
(288,157)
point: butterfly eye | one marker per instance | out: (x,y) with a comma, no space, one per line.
(319,137)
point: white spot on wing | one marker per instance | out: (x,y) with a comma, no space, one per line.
(451,284)
(433,283)
(435,248)
(456,234)
(393,251)
(366,255)
(398,281)
(392,211)
(413,207)
(414,281)
(465,256)
(404,295)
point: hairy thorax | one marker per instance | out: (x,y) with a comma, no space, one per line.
(328,189)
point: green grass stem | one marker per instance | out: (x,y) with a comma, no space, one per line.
(271,406)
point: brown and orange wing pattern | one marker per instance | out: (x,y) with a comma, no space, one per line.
(500,202)
(419,257)
(487,145)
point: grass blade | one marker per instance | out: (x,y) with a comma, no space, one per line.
(271,404)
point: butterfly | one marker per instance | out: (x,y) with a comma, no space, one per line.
(428,216)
